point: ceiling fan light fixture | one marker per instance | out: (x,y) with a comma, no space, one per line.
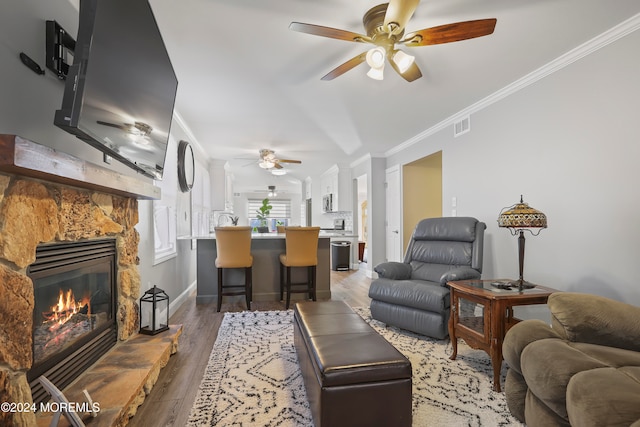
(278,172)
(402,60)
(376,57)
(376,73)
(266,164)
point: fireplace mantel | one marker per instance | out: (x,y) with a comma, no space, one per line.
(26,158)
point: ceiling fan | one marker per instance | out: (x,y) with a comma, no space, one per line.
(268,160)
(137,128)
(139,132)
(385,28)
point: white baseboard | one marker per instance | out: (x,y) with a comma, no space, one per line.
(369,273)
(176,303)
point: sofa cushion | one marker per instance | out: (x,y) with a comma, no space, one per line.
(462,229)
(441,252)
(440,273)
(429,296)
(595,319)
(549,364)
(393,270)
(586,406)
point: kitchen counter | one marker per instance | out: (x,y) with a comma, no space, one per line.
(323,233)
(338,233)
(265,249)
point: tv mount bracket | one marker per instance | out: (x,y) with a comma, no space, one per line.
(59,47)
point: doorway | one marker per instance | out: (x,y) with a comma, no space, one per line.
(361,218)
(422,192)
(393,211)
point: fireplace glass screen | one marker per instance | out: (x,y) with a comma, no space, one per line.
(74,308)
(69,305)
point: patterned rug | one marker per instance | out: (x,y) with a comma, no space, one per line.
(253,378)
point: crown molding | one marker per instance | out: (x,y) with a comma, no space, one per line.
(626,27)
(187,130)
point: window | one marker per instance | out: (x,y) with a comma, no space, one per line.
(164,210)
(280,213)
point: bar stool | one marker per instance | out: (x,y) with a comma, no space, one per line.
(301,251)
(233,246)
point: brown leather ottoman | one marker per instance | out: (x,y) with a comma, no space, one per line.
(352,375)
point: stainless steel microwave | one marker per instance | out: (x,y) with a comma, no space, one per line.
(327,203)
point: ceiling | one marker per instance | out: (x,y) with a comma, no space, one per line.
(247,82)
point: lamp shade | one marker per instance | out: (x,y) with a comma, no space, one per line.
(517,219)
(521,216)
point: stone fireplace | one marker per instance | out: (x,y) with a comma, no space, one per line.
(36,212)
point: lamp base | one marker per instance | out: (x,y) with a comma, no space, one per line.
(522,284)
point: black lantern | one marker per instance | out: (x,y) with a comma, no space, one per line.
(152,304)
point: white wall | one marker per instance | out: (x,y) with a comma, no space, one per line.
(175,275)
(569,144)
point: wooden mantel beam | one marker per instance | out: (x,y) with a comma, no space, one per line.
(22,157)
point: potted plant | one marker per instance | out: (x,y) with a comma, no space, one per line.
(262,214)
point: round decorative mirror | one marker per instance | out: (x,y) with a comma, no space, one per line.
(186,166)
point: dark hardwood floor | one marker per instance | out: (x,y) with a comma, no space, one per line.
(170,400)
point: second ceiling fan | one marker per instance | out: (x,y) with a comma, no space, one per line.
(268,160)
(385,28)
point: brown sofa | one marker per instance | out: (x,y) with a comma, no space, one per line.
(583,371)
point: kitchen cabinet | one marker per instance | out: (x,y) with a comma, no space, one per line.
(337,182)
(217,177)
(221,186)
(228,191)
(307,188)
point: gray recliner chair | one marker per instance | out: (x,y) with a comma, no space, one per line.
(413,294)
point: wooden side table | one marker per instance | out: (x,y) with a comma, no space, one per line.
(481,315)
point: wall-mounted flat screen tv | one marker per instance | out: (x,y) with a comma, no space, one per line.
(120,91)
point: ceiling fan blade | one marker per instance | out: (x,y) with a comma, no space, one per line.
(277,165)
(343,68)
(289,161)
(398,14)
(450,32)
(334,33)
(412,73)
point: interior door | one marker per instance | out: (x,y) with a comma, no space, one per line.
(393,208)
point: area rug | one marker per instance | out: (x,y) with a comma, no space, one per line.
(253,378)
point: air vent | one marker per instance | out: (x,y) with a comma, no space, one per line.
(461,127)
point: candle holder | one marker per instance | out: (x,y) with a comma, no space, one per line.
(152,304)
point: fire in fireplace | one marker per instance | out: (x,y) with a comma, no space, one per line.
(74,312)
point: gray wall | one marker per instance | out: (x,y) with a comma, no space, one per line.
(569,144)
(28,101)
(27,105)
